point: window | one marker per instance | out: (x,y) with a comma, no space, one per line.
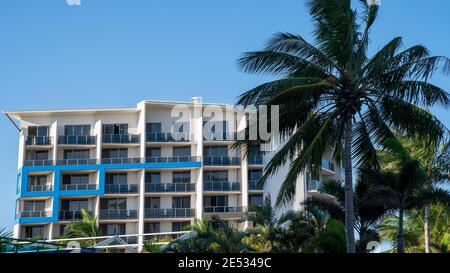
(182,151)
(217,126)
(215,176)
(215,201)
(151,227)
(153,127)
(37,180)
(38,130)
(182,177)
(115,129)
(75,179)
(112,229)
(153,177)
(34,205)
(116,178)
(77,130)
(37,155)
(153,152)
(180,226)
(183,202)
(62,230)
(115,153)
(255,200)
(254,175)
(216,151)
(76,154)
(113,203)
(152,203)
(33,232)
(74,205)
(180,127)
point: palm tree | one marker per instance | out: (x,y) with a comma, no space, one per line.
(435,161)
(403,187)
(209,239)
(369,208)
(5,238)
(333,95)
(439,222)
(86,227)
(293,232)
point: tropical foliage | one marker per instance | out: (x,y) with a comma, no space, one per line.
(87,226)
(334,96)
(439,220)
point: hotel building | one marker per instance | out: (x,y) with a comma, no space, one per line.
(131,170)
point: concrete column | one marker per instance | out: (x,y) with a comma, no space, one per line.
(241,125)
(98,135)
(141,209)
(197,125)
(22,137)
(54,134)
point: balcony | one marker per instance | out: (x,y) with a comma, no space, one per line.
(76,140)
(121,160)
(154,213)
(71,215)
(167,137)
(225,212)
(313,185)
(45,162)
(220,136)
(39,188)
(328,165)
(120,139)
(221,186)
(38,141)
(169,187)
(82,161)
(172,159)
(121,189)
(35,214)
(119,214)
(255,160)
(78,187)
(221,161)
(254,185)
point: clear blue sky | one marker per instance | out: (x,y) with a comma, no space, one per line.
(108,53)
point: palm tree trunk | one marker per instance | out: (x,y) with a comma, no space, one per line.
(426,220)
(400,235)
(349,210)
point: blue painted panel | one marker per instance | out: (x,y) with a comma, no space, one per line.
(101,168)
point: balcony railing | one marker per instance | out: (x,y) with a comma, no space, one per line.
(45,162)
(38,140)
(220,136)
(71,215)
(38,188)
(82,161)
(121,189)
(255,160)
(254,185)
(37,214)
(152,213)
(172,159)
(313,185)
(78,187)
(221,161)
(119,214)
(223,209)
(169,187)
(120,139)
(167,137)
(121,160)
(326,164)
(221,186)
(76,140)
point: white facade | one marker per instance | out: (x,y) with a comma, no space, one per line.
(130,170)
